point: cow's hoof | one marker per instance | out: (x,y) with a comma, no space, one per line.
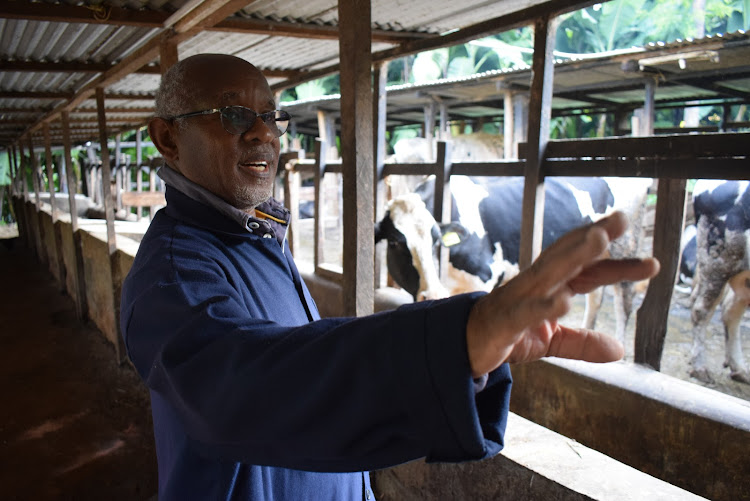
(702,375)
(741,376)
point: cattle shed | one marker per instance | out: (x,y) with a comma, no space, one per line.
(78,72)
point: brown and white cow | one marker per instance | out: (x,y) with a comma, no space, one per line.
(722,212)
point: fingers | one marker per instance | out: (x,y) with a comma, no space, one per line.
(610,271)
(578,249)
(584,344)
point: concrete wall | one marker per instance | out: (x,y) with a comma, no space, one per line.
(536,465)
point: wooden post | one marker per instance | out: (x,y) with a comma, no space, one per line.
(35,178)
(355,35)
(379,102)
(540,113)
(119,174)
(319,226)
(291,199)
(138,162)
(168,54)
(19,204)
(429,126)
(54,212)
(443,205)
(443,133)
(78,272)
(508,127)
(109,212)
(669,220)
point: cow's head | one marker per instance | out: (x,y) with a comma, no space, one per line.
(413,237)
(413,241)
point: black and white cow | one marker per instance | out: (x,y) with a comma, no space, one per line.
(485,232)
(722,214)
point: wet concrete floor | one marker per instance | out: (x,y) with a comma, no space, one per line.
(74,425)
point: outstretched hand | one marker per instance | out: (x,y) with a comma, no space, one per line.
(518,322)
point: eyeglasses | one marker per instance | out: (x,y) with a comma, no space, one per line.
(238,119)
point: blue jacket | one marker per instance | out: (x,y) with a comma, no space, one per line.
(254,397)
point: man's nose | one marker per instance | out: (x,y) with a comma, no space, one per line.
(259,131)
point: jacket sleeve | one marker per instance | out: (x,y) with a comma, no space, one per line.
(344,394)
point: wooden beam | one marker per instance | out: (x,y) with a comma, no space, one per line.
(540,107)
(357,155)
(207,14)
(308,30)
(24,94)
(66,67)
(61,13)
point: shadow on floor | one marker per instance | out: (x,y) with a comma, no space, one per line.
(74,425)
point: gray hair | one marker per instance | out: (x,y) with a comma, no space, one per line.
(175,91)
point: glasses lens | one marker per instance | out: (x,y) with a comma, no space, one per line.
(280,122)
(237,119)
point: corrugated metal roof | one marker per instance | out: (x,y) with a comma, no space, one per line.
(52,50)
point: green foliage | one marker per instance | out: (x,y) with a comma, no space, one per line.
(4,169)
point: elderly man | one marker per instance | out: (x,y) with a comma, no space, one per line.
(253,395)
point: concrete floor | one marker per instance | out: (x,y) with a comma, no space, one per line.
(74,425)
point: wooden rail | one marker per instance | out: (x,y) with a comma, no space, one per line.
(705,156)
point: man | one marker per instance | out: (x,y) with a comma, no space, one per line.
(253,396)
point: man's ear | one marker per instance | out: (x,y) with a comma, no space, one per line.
(162,134)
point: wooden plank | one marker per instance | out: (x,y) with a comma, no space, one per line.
(79,278)
(688,168)
(143,198)
(651,318)
(540,113)
(421,169)
(726,144)
(357,155)
(496,168)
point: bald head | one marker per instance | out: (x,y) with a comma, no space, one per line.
(196,83)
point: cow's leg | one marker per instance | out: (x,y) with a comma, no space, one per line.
(705,298)
(732,308)
(593,305)
(623,295)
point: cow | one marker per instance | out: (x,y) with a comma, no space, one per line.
(722,274)
(484,234)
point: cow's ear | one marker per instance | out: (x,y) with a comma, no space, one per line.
(452,234)
(378,233)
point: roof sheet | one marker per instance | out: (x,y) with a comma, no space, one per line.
(51,50)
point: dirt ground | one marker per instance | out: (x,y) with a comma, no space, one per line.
(74,425)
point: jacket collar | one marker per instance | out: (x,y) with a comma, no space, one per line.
(271,218)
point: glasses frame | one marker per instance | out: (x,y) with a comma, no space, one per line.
(265,117)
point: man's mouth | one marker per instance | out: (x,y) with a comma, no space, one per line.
(259,166)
